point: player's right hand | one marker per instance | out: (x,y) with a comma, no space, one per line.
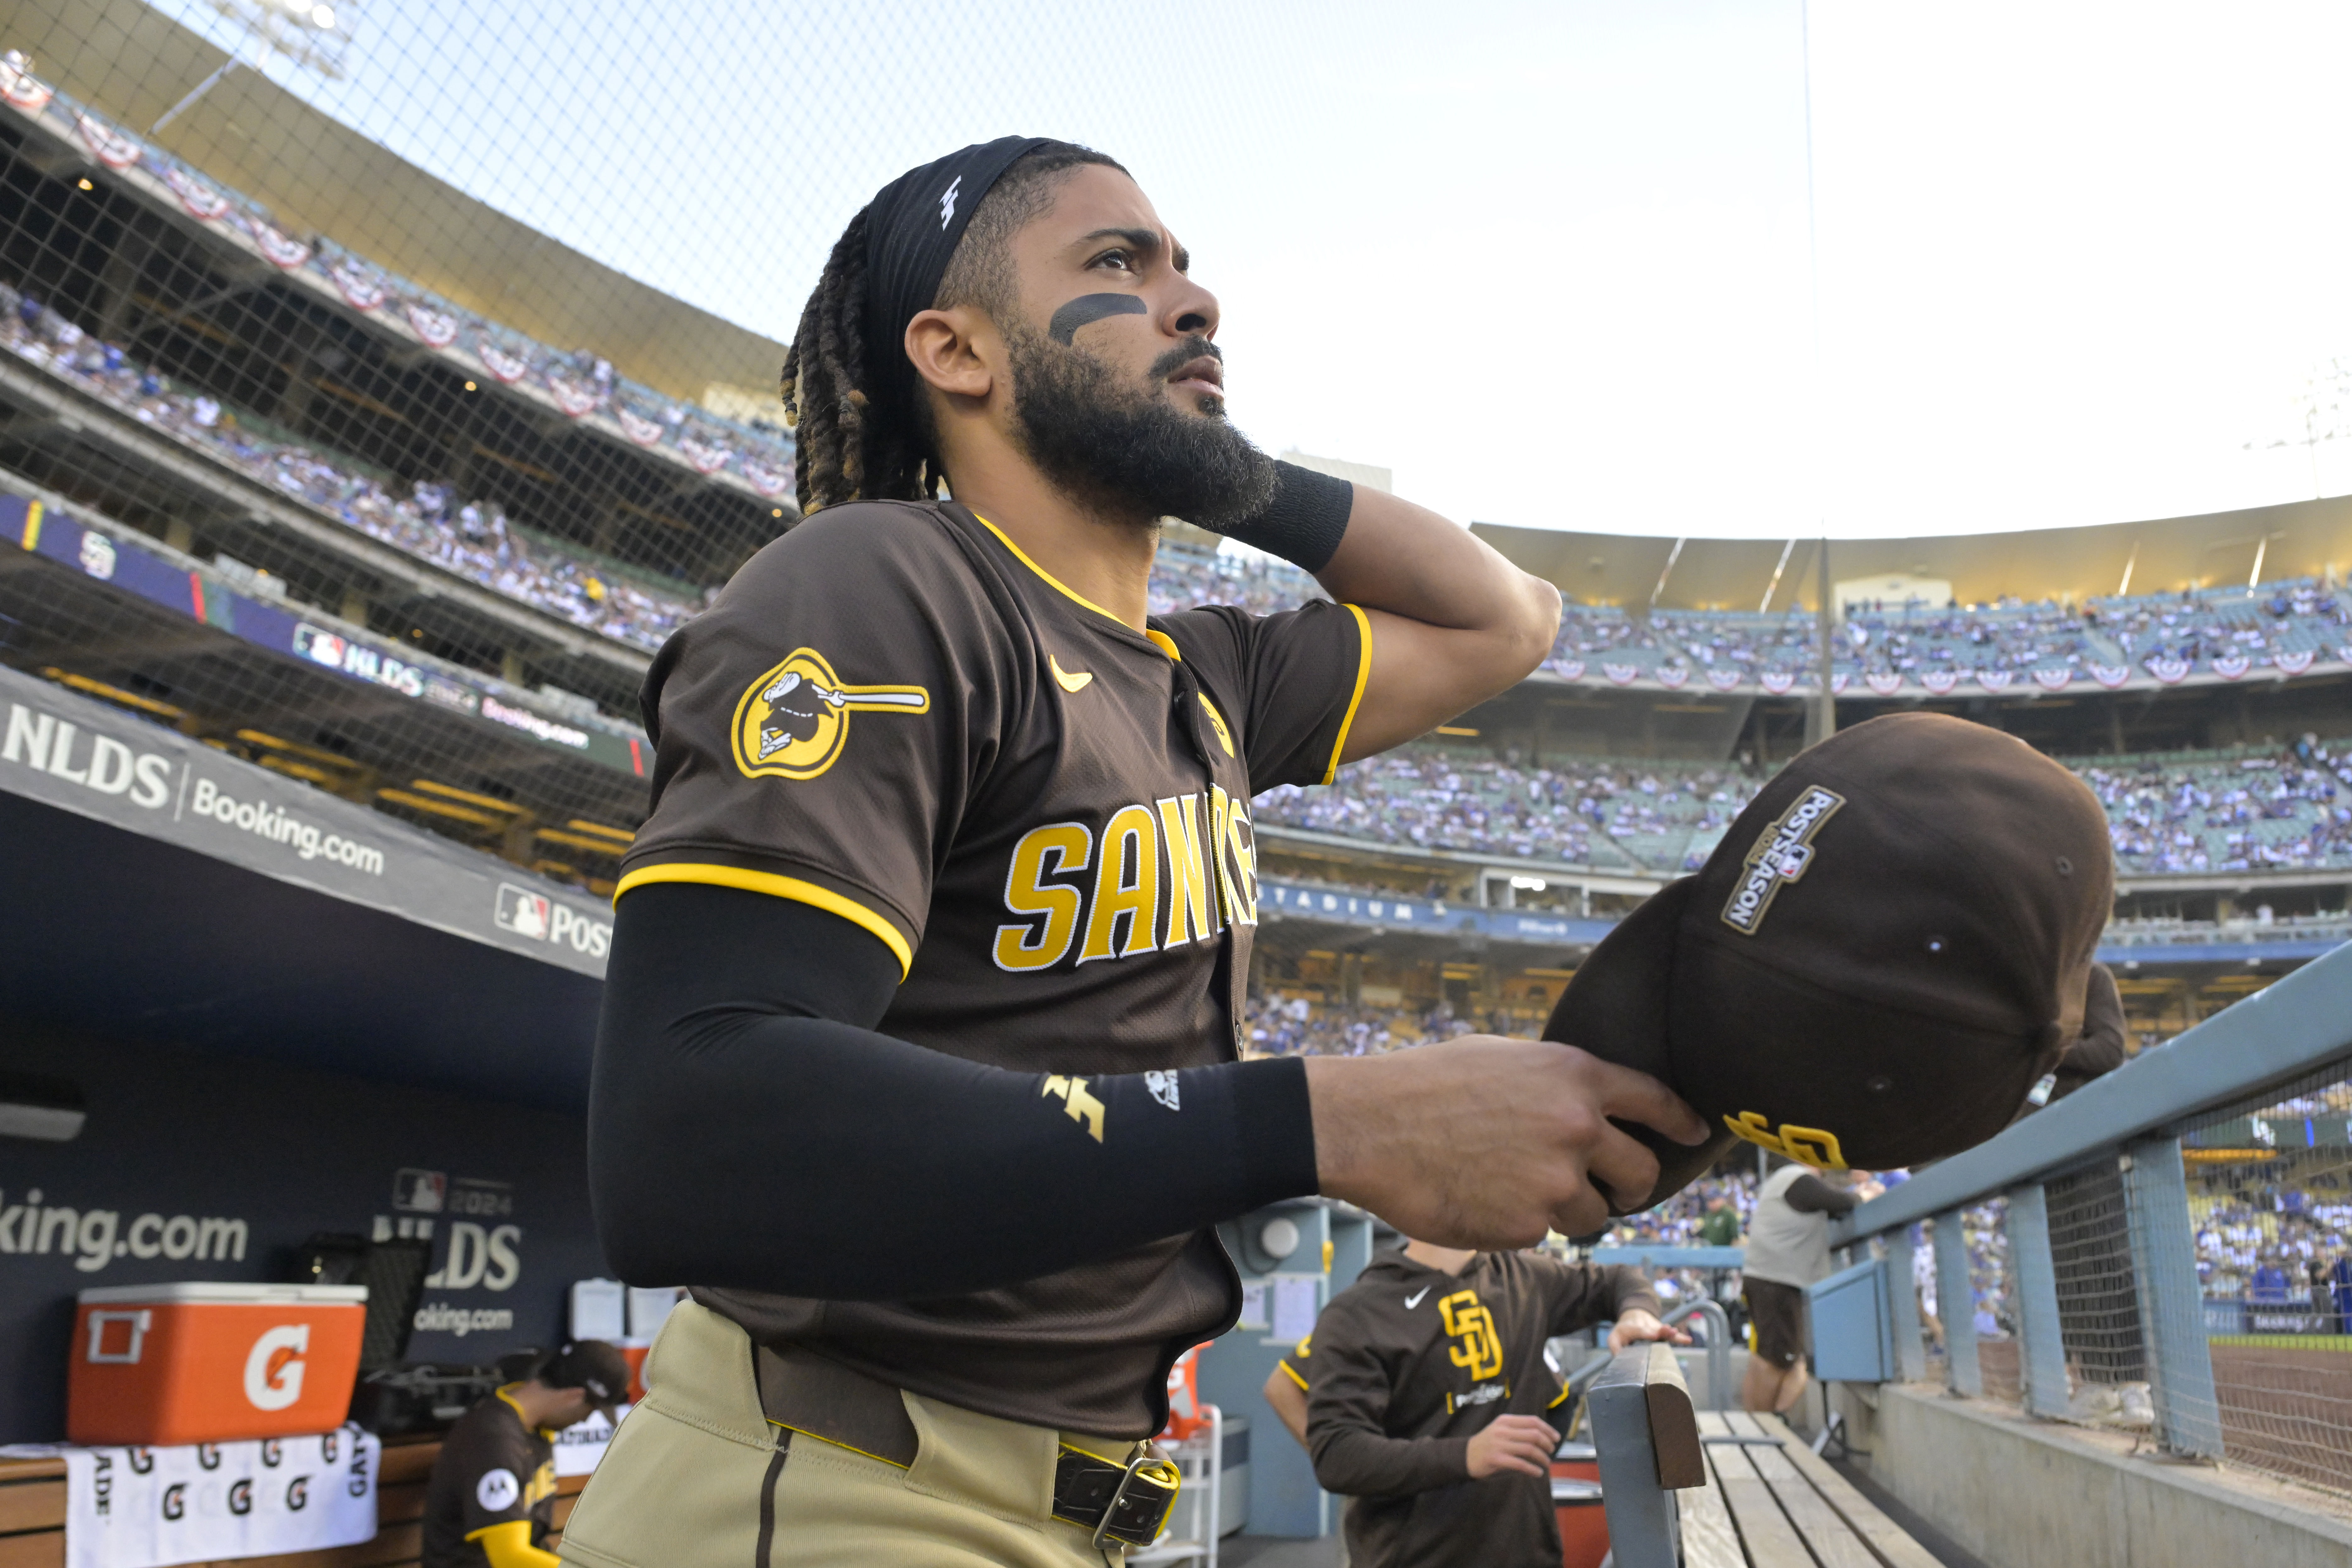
(1524,1444)
(1488,1143)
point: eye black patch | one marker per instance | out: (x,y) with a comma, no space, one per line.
(1089,308)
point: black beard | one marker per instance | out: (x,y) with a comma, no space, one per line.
(1130,454)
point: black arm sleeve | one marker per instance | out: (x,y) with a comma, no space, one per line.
(1811,1195)
(748,1127)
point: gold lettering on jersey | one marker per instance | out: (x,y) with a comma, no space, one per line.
(1481,1349)
(1130,839)
(1217,722)
(1189,898)
(793,721)
(541,1485)
(1082,1106)
(1806,1145)
(1042,852)
(1241,843)
(1221,808)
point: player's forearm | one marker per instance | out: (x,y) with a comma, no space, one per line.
(747,1128)
(1355,1461)
(1408,561)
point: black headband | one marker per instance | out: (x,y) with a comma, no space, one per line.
(912,227)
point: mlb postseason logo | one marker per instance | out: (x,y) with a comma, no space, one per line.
(523,912)
(1782,855)
(535,917)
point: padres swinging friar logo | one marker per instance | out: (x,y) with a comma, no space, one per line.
(794,720)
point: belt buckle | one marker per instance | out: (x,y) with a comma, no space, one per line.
(1152,1468)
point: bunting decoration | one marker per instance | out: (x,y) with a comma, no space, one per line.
(2293,663)
(1885,684)
(506,367)
(17,86)
(437,330)
(1620,674)
(1939,681)
(2053,677)
(1672,676)
(201,200)
(1570,669)
(2111,676)
(112,148)
(363,292)
(705,458)
(276,248)
(2171,671)
(574,400)
(1777,681)
(637,427)
(2231,666)
(767,482)
(1995,679)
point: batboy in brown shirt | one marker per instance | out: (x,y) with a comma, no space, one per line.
(1424,1387)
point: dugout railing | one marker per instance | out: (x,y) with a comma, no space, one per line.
(2164,1252)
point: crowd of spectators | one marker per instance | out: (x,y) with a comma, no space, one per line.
(469,537)
(1640,815)
(2248,810)
(2251,808)
(1292,1025)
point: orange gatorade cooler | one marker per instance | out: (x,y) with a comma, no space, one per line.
(164,1364)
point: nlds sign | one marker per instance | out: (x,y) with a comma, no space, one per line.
(538,917)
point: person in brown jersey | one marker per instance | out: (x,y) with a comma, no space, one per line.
(918,1057)
(1422,1396)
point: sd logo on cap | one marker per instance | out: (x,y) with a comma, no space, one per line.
(1889,950)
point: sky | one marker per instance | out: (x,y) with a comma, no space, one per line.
(1707,268)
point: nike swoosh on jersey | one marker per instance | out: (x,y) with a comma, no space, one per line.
(1415,1300)
(1067,681)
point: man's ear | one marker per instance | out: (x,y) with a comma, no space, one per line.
(953,350)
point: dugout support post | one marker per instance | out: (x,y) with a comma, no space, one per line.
(2171,1301)
(2041,1347)
(1955,1304)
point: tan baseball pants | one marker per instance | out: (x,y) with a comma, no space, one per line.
(696,1478)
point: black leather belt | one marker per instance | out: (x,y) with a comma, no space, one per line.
(1128,1502)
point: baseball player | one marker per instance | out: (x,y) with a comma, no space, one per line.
(918,1053)
(1426,1392)
(490,1502)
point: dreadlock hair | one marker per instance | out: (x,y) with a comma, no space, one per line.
(851,445)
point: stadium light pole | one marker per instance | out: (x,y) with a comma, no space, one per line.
(310,33)
(1821,722)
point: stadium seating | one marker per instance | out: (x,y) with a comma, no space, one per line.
(2246,809)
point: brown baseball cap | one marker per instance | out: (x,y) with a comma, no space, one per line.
(1879,961)
(593,1367)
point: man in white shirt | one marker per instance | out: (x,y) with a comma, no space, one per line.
(1788,1249)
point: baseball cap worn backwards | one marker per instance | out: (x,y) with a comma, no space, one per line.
(1887,952)
(593,1367)
(912,227)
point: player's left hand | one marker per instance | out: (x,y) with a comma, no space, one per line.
(1639,1325)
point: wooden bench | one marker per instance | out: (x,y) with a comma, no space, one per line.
(33,1513)
(1686,1488)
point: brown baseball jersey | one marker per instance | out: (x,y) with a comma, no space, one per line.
(494,1468)
(893,714)
(1409,1363)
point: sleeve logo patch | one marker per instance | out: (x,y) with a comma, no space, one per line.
(1782,855)
(794,720)
(1806,1145)
(497,1491)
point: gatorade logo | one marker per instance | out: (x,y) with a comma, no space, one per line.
(273,1368)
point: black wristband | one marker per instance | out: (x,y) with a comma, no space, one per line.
(1305,521)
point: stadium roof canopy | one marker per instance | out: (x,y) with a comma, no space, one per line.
(316,175)
(2311,538)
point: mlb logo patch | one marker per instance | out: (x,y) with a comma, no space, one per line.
(523,912)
